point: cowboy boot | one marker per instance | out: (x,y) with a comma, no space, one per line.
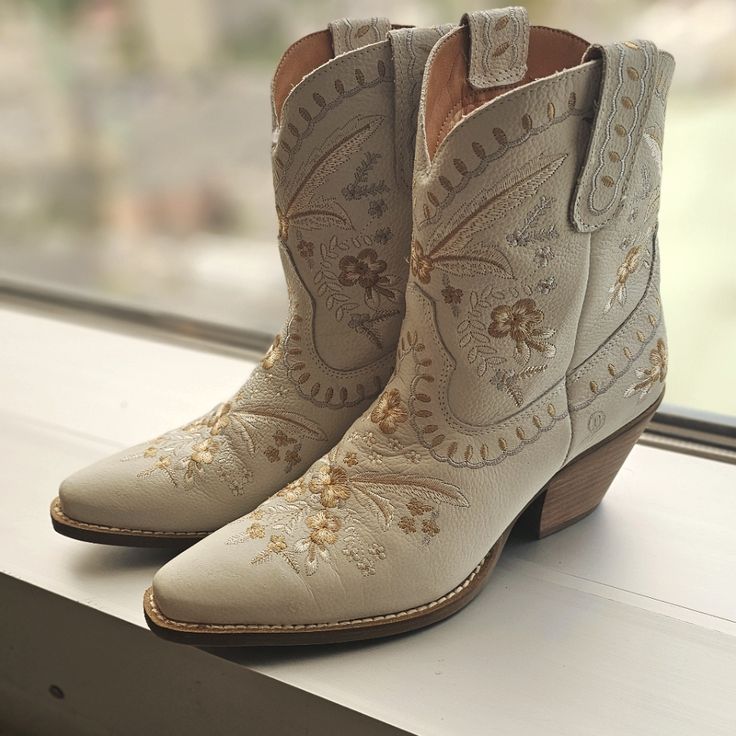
(344,110)
(531,356)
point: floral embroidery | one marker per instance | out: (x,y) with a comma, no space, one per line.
(453,250)
(350,459)
(631,264)
(305,248)
(327,507)
(543,256)
(377,208)
(330,483)
(452,295)
(649,377)
(545,286)
(382,235)
(292,492)
(256,531)
(530,232)
(389,412)
(417,507)
(421,265)
(197,445)
(519,322)
(430,527)
(305,209)
(273,354)
(473,331)
(361,187)
(365,270)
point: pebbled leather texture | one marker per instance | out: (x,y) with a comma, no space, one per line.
(488,398)
(499,44)
(344,237)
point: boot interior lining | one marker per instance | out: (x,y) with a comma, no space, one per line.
(300,59)
(449,94)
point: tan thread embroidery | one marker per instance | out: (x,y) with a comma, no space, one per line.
(311,516)
(450,248)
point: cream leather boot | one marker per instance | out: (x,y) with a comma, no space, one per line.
(344,105)
(531,355)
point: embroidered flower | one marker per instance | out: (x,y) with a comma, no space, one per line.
(364,270)
(272,454)
(292,458)
(543,255)
(324,528)
(151,451)
(220,419)
(273,354)
(377,550)
(281,438)
(305,248)
(350,459)
(417,507)
(648,377)
(631,263)
(452,295)
(520,321)
(421,265)
(203,453)
(276,544)
(383,235)
(256,531)
(377,208)
(389,411)
(407,525)
(545,286)
(430,528)
(293,492)
(330,483)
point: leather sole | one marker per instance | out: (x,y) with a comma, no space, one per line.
(101,534)
(570,495)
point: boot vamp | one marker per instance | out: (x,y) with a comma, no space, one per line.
(375,527)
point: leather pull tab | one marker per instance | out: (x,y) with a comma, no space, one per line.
(499,45)
(628,82)
(410,48)
(349,34)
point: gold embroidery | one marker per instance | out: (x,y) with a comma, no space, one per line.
(366,270)
(273,355)
(649,377)
(307,211)
(631,264)
(389,412)
(326,507)
(453,253)
(519,322)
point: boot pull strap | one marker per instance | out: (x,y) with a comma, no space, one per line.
(410,48)
(628,81)
(349,34)
(499,45)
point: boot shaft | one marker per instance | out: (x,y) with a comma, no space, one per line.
(344,109)
(538,162)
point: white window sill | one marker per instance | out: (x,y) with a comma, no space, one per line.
(623,624)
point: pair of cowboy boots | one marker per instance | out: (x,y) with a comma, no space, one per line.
(468,228)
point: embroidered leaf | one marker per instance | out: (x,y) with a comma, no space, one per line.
(321,215)
(380,505)
(494,264)
(296,423)
(349,141)
(519,187)
(432,488)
